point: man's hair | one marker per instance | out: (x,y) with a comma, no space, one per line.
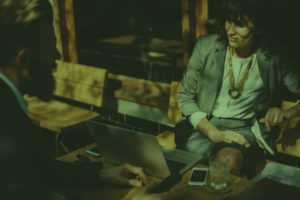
(19,20)
(236,11)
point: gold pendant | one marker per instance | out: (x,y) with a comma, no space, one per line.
(234,93)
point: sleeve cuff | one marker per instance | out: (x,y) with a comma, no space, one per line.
(196,117)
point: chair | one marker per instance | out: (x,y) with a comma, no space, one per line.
(142,92)
(167,138)
(294,148)
(174,113)
(79,83)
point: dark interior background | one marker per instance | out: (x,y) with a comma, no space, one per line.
(99,19)
(107,18)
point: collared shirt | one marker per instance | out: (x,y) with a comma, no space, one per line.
(16,92)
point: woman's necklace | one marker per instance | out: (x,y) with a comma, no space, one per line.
(235,89)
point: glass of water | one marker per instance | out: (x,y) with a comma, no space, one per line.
(218,177)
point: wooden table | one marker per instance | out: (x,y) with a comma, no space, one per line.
(179,192)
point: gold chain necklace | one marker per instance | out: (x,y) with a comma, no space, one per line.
(235,89)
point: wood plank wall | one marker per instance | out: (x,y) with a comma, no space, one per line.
(194,18)
(65,30)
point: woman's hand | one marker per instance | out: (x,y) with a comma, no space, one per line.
(275,117)
(228,137)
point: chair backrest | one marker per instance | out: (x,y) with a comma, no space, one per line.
(142,91)
(292,122)
(81,83)
(174,113)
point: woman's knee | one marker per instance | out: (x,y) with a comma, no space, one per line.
(232,157)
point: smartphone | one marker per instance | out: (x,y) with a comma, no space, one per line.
(199,176)
(94,152)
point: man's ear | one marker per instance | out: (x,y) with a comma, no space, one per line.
(21,62)
(21,58)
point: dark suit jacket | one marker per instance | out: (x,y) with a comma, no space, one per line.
(25,166)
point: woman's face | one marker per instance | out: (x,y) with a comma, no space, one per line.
(240,35)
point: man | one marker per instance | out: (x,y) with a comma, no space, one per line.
(232,81)
(27,58)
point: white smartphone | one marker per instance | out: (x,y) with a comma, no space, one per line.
(199,176)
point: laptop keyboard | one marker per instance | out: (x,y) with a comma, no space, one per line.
(174,166)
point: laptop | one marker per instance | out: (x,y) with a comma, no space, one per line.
(121,145)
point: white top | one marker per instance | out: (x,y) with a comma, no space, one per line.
(243,107)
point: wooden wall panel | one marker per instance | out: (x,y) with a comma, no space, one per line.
(65,30)
(194,18)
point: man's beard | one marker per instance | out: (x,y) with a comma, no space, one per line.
(41,82)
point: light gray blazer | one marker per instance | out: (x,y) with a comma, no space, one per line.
(203,78)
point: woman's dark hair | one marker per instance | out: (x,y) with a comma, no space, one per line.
(238,12)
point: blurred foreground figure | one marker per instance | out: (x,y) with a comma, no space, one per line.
(27,58)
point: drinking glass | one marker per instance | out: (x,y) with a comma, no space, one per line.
(218,176)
